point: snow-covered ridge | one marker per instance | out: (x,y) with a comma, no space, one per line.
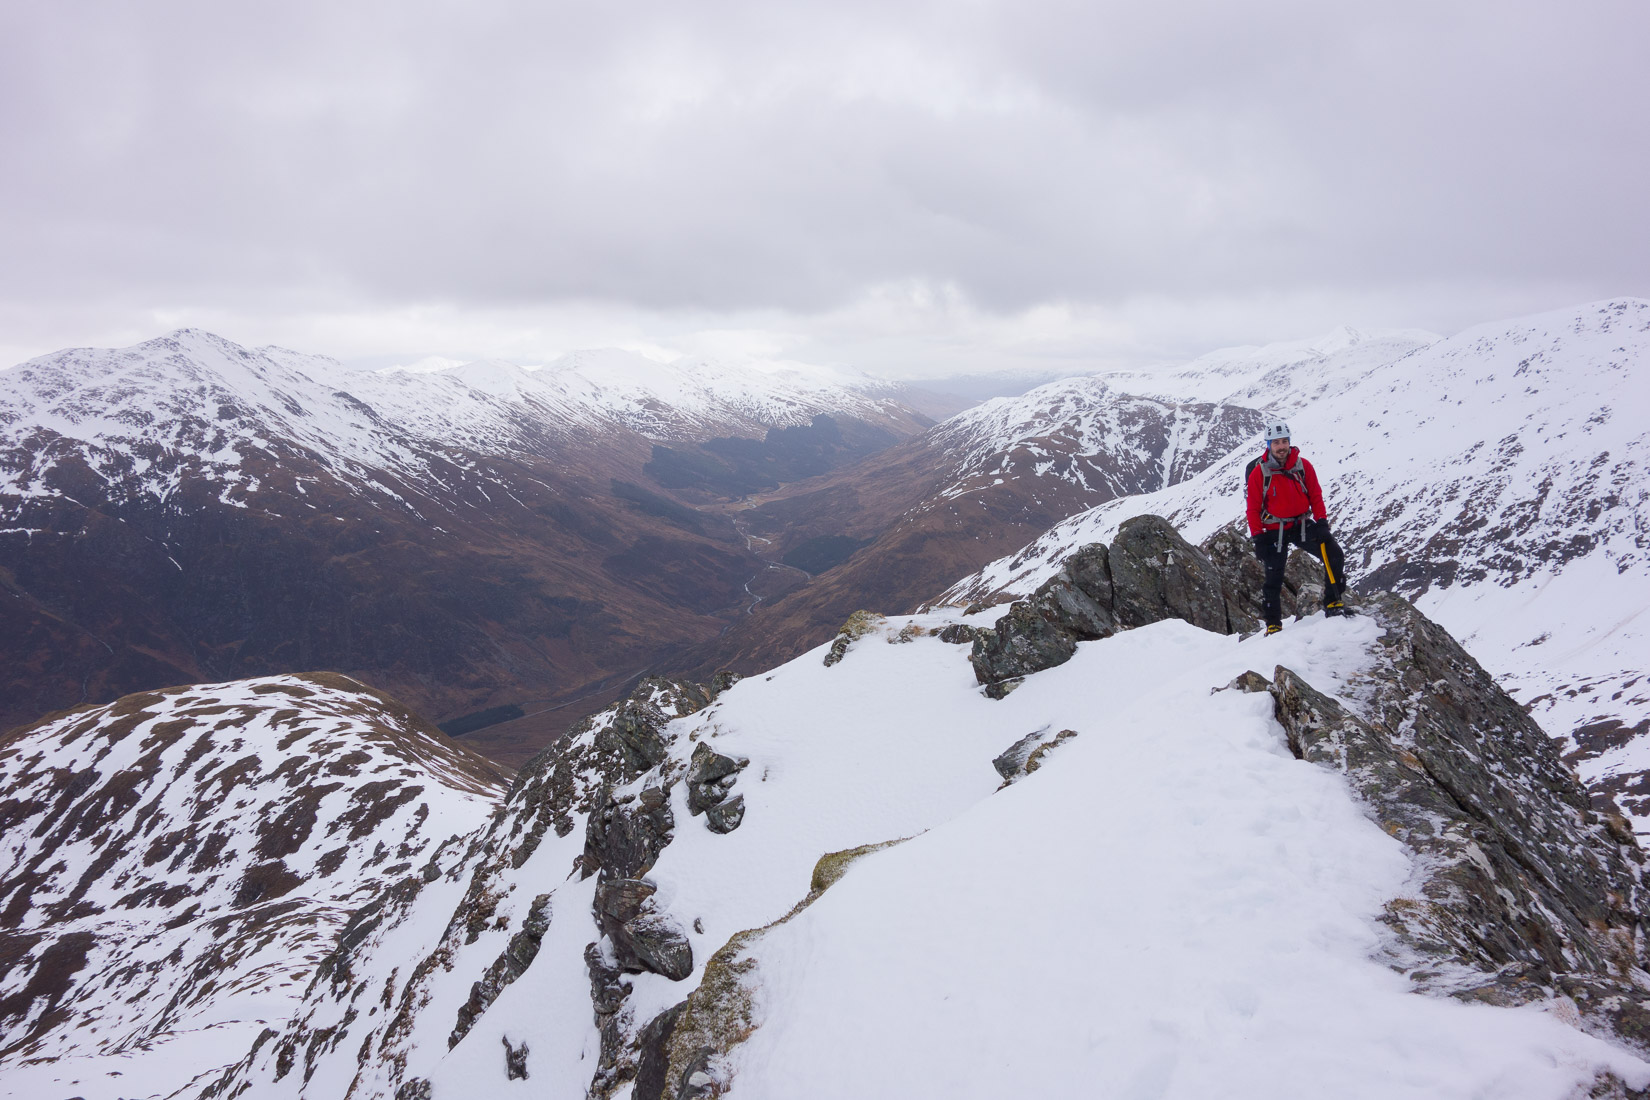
(1294,371)
(195,401)
(1501,476)
(885,901)
(178,863)
(1091,432)
(1125,432)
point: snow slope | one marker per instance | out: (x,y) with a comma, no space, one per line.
(1502,478)
(1289,372)
(1170,905)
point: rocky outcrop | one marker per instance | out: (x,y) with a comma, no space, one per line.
(859,624)
(1028,753)
(710,777)
(1527,892)
(642,937)
(511,964)
(1149,573)
(722,1012)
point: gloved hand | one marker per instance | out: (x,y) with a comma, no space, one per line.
(1317,531)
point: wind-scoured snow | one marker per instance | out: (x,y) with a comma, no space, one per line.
(1501,478)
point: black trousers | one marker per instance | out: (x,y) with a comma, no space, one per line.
(1314,536)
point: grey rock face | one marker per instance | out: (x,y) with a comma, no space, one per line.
(859,624)
(1043,630)
(1149,573)
(726,816)
(1529,892)
(643,938)
(607,988)
(571,777)
(1158,575)
(416,1088)
(653,1054)
(1011,762)
(1027,754)
(707,771)
(710,776)
(625,838)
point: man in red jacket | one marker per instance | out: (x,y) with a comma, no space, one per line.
(1286,509)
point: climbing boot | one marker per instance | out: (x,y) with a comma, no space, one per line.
(1334,609)
(1273,628)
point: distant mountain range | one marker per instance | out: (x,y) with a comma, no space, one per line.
(188,510)
(507,548)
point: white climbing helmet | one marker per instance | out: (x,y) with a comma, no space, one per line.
(1277,429)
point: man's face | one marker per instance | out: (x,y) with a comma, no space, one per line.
(1280,448)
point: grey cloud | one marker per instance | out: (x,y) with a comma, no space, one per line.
(724,156)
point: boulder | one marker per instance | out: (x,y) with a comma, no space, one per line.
(726,816)
(859,624)
(1149,573)
(710,775)
(1043,630)
(1158,575)
(643,938)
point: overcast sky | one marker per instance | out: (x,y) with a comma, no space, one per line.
(904,187)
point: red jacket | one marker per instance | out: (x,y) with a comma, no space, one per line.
(1284,497)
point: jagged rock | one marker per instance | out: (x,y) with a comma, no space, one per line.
(1157,575)
(1250,683)
(726,816)
(1043,630)
(609,749)
(1149,573)
(859,624)
(723,680)
(643,938)
(710,775)
(625,839)
(960,633)
(417,1088)
(511,964)
(515,1059)
(1011,762)
(607,989)
(721,1013)
(1527,890)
